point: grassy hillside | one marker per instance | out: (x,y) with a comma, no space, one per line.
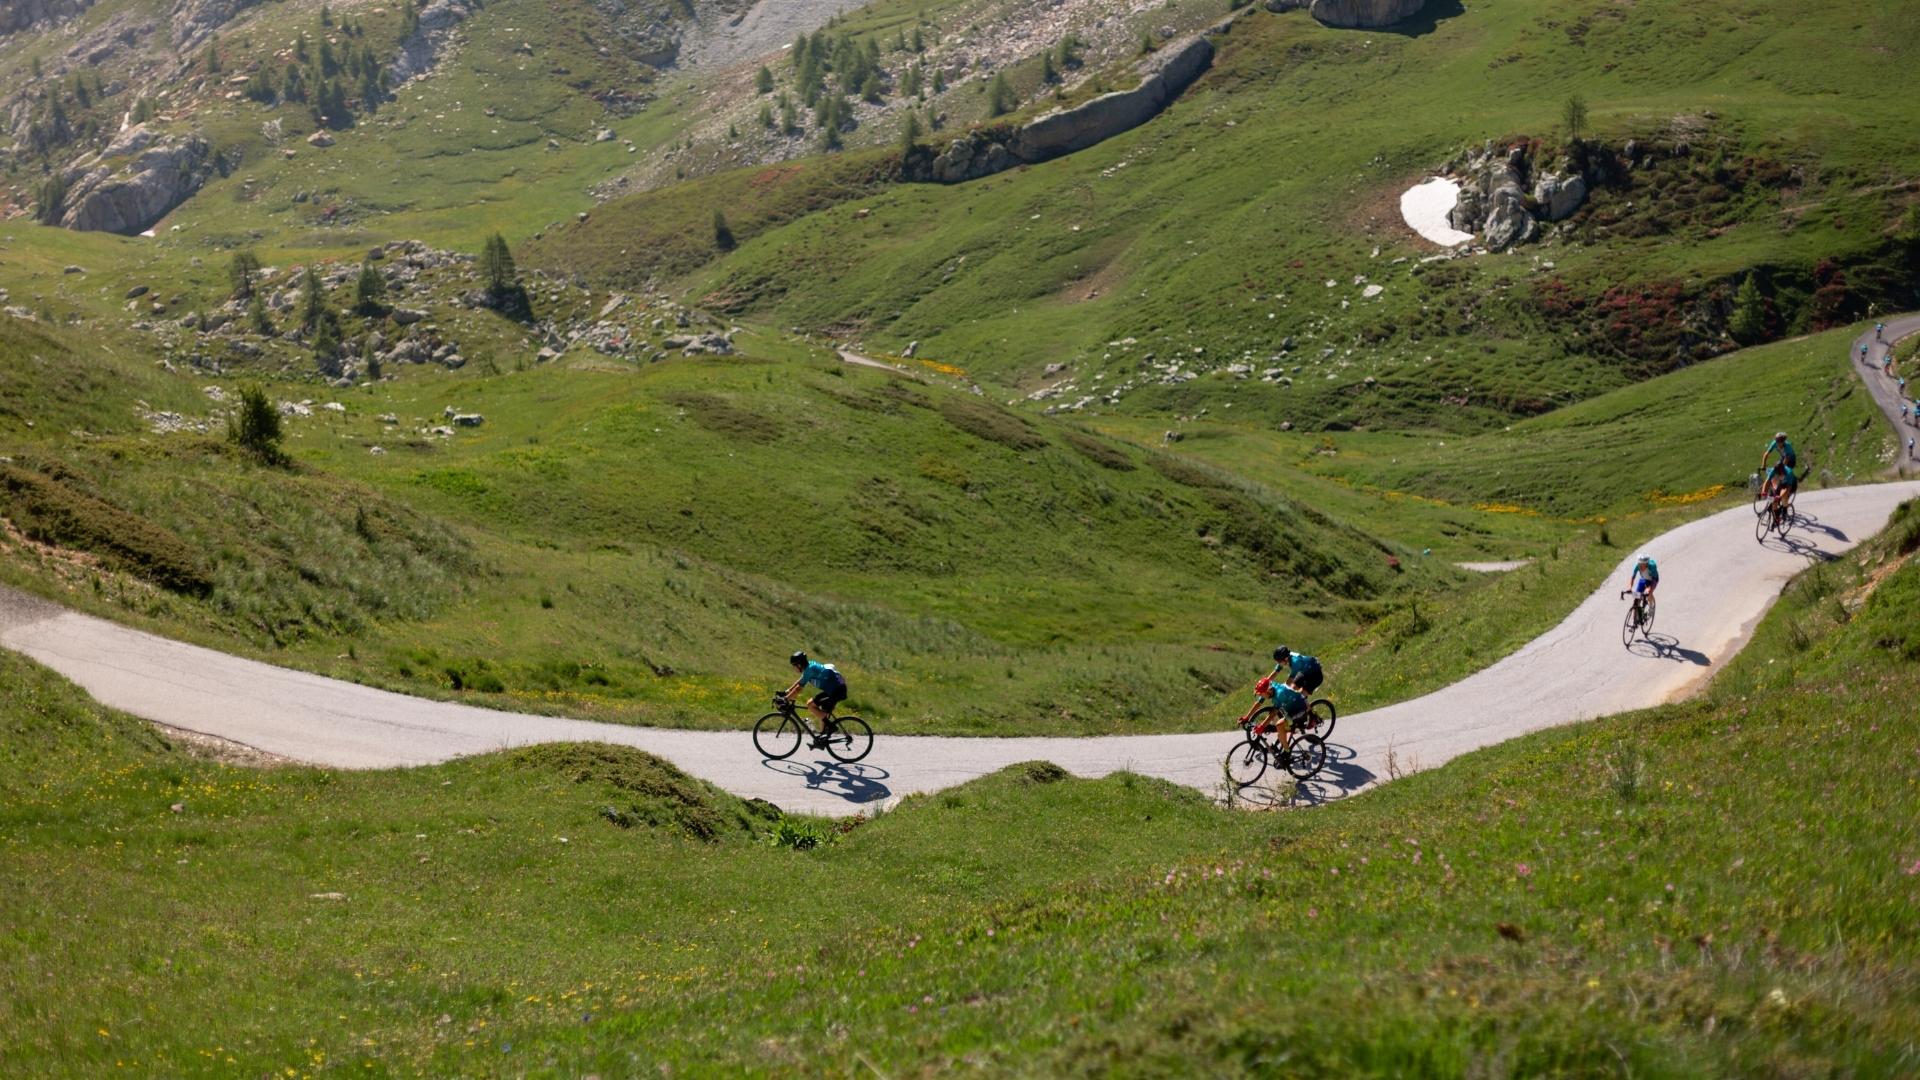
(1246,223)
(1529,908)
(647,545)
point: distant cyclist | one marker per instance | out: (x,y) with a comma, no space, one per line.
(1646,576)
(1295,675)
(829,685)
(1781,484)
(1863,354)
(1784,447)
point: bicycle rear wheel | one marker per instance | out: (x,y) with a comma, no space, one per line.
(1783,522)
(852,739)
(1323,717)
(776,736)
(1306,756)
(1247,761)
(1646,617)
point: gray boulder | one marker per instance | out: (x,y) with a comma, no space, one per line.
(1508,222)
(1469,210)
(1364,14)
(1559,196)
(128,193)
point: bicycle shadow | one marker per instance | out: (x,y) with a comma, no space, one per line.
(856,783)
(1339,778)
(1794,545)
(1666,647)
(1813,524)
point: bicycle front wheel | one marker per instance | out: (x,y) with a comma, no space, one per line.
(1631,627)
(1306,756)
(1763,524)
(776,736)
(852,739)
(1247,761)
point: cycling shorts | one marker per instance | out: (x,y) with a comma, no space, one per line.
(827,699)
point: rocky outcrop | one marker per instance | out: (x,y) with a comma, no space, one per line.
(424,47)
(1162,77)
(135,182)
(1559,196)
(1063,131)
(1498,203)
(1364,14)
(18,15)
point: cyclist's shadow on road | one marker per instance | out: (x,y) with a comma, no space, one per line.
(1339,778)
(856,783)
(1801,546)
(1667,647)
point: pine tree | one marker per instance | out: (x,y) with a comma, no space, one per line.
(258,315)
(313,310)
(789,116)
(722,232)
(326,15)
(496,267)
(50,200)
(81,95)
(766,115)
(1047,74)
(939,81)
(255,426)
(241,271)
(1748,324)
(326,345)
(300,47)
(1000,98)
(763,81)
(872,88)
(909,134)
(919,42)
(369,290)
(369,360)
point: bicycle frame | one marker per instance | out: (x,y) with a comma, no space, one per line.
(791,710)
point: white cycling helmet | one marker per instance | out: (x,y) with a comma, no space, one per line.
(1644,557)
(1779,436)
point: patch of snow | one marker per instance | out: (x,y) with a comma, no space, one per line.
(1426,206)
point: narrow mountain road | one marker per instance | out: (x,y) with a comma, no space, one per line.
(1886,388)
(1717,582)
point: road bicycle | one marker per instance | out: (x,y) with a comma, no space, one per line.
(1302,753)
(778,734)
(1639,617)
(1776,517)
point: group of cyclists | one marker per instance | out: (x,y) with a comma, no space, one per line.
(1909,403)
(1296,675)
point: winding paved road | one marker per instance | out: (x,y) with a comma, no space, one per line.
(1886,388)
(1718,583)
